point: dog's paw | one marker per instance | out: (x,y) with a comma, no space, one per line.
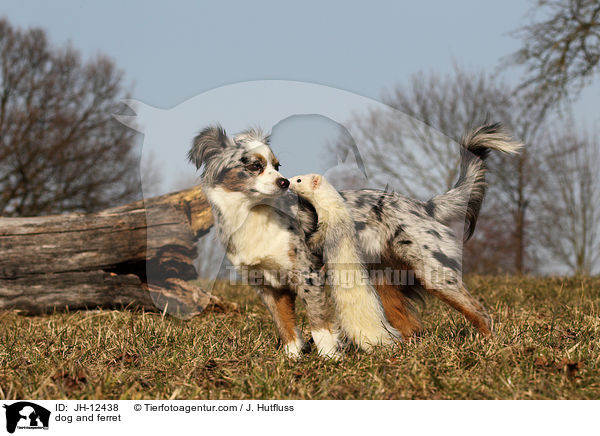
(332,354)
(293,349)
(327,343)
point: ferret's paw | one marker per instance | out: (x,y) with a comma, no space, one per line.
(366,346)
(392,338)
(382,339)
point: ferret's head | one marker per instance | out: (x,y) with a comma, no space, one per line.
(306,185)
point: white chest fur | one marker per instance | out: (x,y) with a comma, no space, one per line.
(255,236)
(261,239)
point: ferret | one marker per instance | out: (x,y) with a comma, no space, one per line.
(359,310)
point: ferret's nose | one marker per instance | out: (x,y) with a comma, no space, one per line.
(283,183)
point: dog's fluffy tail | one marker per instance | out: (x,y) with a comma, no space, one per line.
(464,200)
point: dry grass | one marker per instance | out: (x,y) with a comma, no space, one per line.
(546,346)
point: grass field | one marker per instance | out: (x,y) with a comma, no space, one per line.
(547,346)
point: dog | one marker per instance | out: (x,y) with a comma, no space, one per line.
(266,235)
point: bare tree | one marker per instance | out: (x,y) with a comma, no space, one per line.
(561,49)
(570,224)
(60,148)
(151,176)
(415,146)
(419,153)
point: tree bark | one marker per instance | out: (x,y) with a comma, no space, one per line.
(140,255)
(520,218)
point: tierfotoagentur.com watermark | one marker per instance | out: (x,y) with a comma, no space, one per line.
(346,276)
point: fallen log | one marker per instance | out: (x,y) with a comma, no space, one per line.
(140,254)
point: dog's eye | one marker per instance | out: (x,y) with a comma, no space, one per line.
(255,166)
(299,180)
(276,166)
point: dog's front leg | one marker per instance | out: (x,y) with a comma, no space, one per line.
(320,316)
(281,305)
(322,327)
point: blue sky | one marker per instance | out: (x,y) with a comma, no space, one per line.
(173,51)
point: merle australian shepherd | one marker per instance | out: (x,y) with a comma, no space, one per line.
(242,182)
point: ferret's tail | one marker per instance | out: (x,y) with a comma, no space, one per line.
(465,199)
(360,313)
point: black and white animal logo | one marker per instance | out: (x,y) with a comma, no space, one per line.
(26,415)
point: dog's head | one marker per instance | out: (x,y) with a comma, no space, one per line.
(244,163)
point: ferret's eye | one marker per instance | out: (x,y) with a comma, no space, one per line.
(299,180)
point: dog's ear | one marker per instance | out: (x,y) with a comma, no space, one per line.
(207,144)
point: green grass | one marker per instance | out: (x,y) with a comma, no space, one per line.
(547,345)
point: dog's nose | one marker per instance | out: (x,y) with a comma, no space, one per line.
(283,183)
